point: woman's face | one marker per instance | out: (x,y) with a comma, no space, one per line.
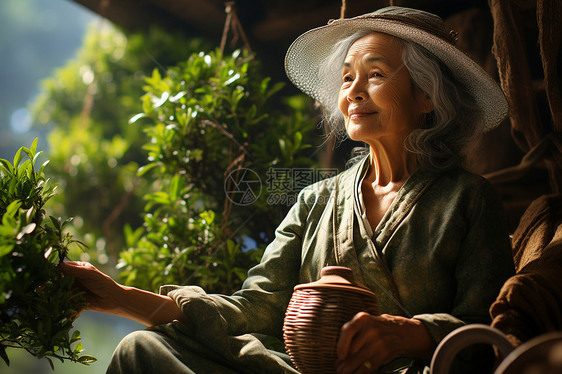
(377,96)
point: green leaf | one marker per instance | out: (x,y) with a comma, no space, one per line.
(28,152)
(177,97)
(79,348)
(56,222)
(87,360)
(27,229)
(75,336)
(6,167)
(17,158)
(5,249)
(264,85)
(13,185)
(66,222)
(34,146)
(43,166)
(26,169)
(136,117)
(159,197)
(297,140)
(282,145)
(4,355)
(232,79)
(8,228)
(144,169)
(162,100)
(174,187)
(35,157)
(50,363)
(13,208)
(29,214)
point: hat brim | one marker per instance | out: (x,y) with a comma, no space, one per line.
(311,48)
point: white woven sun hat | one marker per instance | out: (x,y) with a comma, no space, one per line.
(305,55)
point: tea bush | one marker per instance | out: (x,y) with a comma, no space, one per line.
(37,303)
(214,130)
(94,153)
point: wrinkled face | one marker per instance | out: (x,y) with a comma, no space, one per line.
(377,96)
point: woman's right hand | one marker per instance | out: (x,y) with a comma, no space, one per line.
(102,292)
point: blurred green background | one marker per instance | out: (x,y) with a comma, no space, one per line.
(37,36)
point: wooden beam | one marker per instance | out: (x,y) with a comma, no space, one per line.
(128,14)
(207,16)
(193,17)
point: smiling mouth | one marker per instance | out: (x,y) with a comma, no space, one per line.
(360,114)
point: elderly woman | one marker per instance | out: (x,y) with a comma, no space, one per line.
(427,237)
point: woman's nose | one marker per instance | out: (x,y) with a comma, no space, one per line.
(356,92)
(358,97)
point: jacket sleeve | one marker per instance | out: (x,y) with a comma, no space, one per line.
(259,307)
(484,262)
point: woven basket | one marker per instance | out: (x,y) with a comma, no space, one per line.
(316,314)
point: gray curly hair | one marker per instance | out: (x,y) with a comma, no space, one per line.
(439,142)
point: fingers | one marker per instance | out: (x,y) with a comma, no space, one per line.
(354,348)
(367,359)
(362,362)
(69,268)
(366,342)
(348,332)
(76,268)
(76,264)
(364,368)
(72,269)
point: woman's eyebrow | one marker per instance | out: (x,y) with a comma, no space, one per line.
(371,59)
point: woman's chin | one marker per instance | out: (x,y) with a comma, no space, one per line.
(358,133)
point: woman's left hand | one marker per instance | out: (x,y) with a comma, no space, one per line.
(367,342)
(102,293)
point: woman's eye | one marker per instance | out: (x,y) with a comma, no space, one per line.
(376,75)
(347,78)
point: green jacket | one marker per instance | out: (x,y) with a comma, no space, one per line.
(440,254)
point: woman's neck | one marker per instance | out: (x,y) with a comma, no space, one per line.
(389,164)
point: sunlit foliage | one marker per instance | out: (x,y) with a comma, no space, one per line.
(214,127)
(94,152)
(37,304)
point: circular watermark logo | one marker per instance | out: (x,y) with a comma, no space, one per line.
(242,186)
